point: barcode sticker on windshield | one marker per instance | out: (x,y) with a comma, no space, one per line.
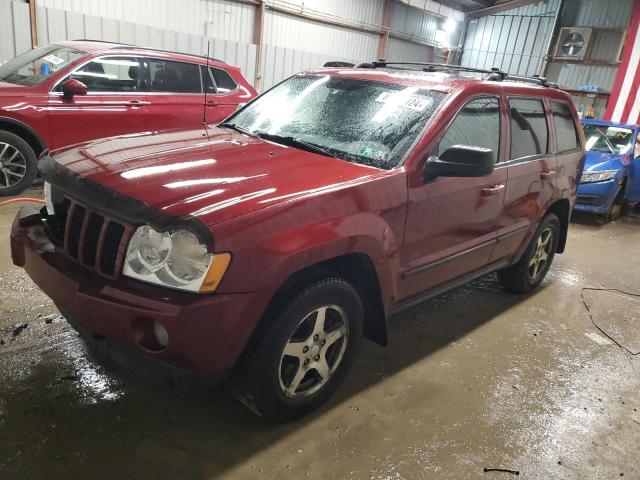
(408,101)
(53,59)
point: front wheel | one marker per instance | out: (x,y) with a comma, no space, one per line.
(18,164)
(304,354)
(535,262)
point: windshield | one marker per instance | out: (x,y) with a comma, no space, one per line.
(602,138)
(363,121)
(34,66)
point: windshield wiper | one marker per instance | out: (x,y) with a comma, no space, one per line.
(237,128)
(294,142)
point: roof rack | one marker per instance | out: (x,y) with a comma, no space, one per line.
(128,46)
(494,74)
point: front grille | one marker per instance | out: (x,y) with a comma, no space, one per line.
(94,240)
(586,200)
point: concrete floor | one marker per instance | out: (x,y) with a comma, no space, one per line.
(473,379)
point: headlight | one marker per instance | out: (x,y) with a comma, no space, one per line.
(174,259)
(47,198)
(590,177)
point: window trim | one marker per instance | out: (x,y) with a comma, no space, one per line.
(575,127)
(52,90)
(455,115)
(535,156)
(148,74)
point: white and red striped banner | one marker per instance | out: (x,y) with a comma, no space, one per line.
(624,103)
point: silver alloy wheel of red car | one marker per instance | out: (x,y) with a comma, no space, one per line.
(541,254)
(314,351)
(13,165)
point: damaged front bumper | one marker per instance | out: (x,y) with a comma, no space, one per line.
(204,333)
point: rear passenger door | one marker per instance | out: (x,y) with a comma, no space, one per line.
(222,93)
(175,94)
(531,173)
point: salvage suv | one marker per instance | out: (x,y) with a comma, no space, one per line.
(265,247)
(71,92)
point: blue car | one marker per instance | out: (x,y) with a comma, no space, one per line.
(610,182)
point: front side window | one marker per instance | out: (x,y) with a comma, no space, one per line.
(34,66)
(566,130)
(529,131)
(363,121)
(477,124)
(174,77)
(603,138)
(109,74)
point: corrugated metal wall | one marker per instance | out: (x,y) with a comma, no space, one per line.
(514,40)
(15,29)
(55,25)
(420,25)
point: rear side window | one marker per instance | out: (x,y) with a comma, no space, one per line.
(174,77)
(566,130)
(477,124)
(224,81)
(109,74)
(529,131)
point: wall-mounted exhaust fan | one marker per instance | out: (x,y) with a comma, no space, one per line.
(573,43)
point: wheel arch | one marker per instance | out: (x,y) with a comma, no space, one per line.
(25,132)
(357,269)
(562,210)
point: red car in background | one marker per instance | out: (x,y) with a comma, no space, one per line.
(71,92)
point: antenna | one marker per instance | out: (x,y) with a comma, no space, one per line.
(206,88)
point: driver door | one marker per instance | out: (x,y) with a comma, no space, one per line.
(452,222)
(115,104)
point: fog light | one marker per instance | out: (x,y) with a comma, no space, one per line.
(161,334)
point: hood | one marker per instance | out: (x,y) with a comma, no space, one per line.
(212,174)
(598,161)
(10,88)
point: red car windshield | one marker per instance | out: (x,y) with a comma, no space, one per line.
(34,66)
(363,121)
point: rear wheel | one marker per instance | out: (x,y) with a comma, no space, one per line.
(18,164)
(304,354)
(535,262)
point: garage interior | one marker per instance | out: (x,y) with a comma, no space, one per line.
(475,383)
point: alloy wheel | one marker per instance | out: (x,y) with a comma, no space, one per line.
(13,165)
(314,351)
(541,254)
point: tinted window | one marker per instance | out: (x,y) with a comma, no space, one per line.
(566,131)
(529,132)
(224,82)
(477,125)
(208,80)
(174,77)
(110,74)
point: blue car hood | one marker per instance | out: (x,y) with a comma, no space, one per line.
(597,161)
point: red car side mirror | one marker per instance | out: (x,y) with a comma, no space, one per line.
(73,87)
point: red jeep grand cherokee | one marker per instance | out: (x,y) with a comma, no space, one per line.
(72,92)
(268,245)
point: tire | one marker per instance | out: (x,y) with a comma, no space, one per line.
(617,208)
(530,270)
(265,378)
(18,164)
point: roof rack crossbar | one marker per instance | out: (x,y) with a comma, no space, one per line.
(494,73)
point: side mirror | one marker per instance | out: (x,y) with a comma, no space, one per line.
(73,87)
(460,161)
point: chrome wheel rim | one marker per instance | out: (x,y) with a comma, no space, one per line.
(314,351)
(540,258)
(13,165)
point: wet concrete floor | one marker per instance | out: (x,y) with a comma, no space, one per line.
(473,379)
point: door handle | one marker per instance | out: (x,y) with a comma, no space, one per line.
(546,174)
(492,190)
(137,103)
